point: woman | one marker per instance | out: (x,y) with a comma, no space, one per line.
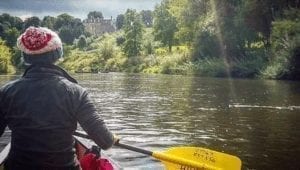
(42,108)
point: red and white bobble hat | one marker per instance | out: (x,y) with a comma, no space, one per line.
(38,40)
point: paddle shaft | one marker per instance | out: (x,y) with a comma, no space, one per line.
(183,162)
(132,148)
(157,155)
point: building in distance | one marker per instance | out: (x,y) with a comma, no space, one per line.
(99,26)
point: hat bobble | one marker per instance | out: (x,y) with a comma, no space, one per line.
(38,40)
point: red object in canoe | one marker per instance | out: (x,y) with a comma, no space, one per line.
(91,159)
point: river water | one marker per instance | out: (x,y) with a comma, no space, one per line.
(255,120)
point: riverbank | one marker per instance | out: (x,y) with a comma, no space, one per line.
(208,45)
(107,56)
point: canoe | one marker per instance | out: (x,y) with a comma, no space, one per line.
(3,155)
(81,147)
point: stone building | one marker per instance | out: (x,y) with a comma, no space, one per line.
(99,26)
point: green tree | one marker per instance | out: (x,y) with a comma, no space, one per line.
(147,17)
(16,58)
(5,58)
(133,29)
(259,15)
(285,39)
(63,20)
(95,14)
(164,25)
(11,36)
(48,21)
(120,21)
(1,30)
(32,21)
(187,15)
(66,35)
(77,27)
(82,42)
(120,40)
(8,26)
(4,26)
(13,21)
(69,28)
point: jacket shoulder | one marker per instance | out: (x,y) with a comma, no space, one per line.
(73,88)
(8,85)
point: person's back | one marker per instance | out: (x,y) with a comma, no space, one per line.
(42,109)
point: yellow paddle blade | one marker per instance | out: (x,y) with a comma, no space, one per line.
(195,158)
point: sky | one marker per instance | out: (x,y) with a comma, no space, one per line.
(76,8)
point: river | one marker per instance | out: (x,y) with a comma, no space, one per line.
(255,120)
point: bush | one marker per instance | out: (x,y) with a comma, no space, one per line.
(16,58)
(79,61)
(161,51)
(206,45)
(285,39)
(166,64)
(120,40)
(213,67)
(116,63)
(148,48)
(107,49)
(82,42)
(248,67)
(5,59)
(152,70)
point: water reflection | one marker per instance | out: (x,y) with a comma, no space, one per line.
(256,120)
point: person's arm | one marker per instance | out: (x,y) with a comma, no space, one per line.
(91,122)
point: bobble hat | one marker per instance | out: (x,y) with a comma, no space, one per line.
(40,45)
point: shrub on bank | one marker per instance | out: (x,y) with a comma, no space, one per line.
(103,55)
(212,67)
(248,67)
(5,59)
(167,64)
(80,61)
(116,64)
(285,39)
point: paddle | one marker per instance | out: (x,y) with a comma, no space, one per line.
(187,158)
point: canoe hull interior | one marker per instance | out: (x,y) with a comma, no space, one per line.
(81,147)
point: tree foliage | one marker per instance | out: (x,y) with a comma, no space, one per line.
(120,21)
(95,14)
(165,25)
(147,17)
(5,58)
(285,39)
(234,30)
(11,36)
(10,28)
(32,21)
(11,21)
(48,21)
(69,28)
(82,42)
(133,30)
(242,38)
(63,20)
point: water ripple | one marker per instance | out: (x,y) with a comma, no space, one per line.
(264,107)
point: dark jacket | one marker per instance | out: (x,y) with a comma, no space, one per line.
(42,109)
